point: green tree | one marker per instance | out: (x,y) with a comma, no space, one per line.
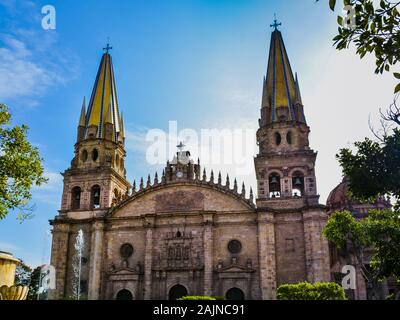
(374,169)
(308,291)
(380,230)
(376,31)
(20,168)
(23,274)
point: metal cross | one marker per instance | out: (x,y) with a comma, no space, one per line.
(107,48)
(180,146)
(275,24)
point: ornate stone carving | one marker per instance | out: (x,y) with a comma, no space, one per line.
(179,201)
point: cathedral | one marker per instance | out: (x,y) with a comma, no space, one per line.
(185,232)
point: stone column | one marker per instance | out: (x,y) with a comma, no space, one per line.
(148,223)
(266,253)
(208,246)
(96,253)
(59,259)
(316,245)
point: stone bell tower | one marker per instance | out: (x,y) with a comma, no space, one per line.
(97,176)
(288,205)
(95,181)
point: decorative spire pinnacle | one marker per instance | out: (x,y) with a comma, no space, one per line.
(219,178)
(163,178)
(141,184)
(134,187)
(82,118)
(243,190)
(251,195)
(212,176)
(227,184)
(204,175)
(298,94)
(235,186)
(148,181)
(156,178)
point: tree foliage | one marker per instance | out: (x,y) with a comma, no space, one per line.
(308,291)
(376,31)
(20,167)
(380,230)
(25,276)
(374,169)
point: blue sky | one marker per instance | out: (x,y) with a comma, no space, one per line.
(199,62)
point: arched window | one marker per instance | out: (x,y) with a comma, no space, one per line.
(278,138)
(95,154)
(95,197)
(298,184)
(289,137)
(76,198)
(124,295)
(84,156)
(274,185)
(235,294)
(177,292)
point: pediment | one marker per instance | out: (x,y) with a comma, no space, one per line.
(186,197)
(236,269)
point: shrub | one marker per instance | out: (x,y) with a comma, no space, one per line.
(308,291)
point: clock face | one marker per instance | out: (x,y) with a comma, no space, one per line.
(179,174)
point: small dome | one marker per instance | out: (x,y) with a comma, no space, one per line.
(339,197)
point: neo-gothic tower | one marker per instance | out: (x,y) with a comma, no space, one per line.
(97,176)
(285,169)
(94,182)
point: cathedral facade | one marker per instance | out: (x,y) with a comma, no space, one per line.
(185,232)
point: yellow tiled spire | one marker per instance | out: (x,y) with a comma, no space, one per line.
(281,92)
(103,105)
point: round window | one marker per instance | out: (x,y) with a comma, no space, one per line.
(84,156)
(234,246)
(95,154)
(126,251)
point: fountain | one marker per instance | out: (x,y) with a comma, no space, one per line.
(8,291)
(77,264)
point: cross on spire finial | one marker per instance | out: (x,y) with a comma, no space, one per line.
(107,48)
(276,24)
(180,146)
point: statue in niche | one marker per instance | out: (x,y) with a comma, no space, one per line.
(186,253)
(178,253)
(171,253)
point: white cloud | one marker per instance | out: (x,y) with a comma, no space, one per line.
(338,102)
(20,76)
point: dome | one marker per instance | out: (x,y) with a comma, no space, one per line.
(339,197)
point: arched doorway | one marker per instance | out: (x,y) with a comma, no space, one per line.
(234,294)
(124,295)
(177,292)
